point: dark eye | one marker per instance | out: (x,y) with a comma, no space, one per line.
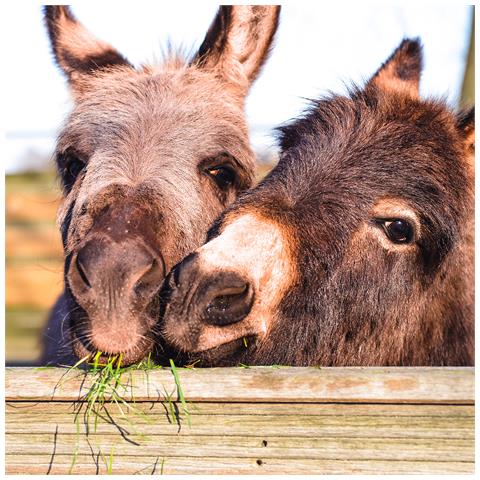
(70,166)
(398,230)
(223,176)
(74,166)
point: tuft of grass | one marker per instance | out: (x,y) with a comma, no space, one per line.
(109,384)
(108,387)
(193,364)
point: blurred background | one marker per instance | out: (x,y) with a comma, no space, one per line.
(319,47)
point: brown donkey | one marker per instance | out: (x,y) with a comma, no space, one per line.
(148,159)
(357,249)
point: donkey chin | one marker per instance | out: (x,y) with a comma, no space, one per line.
(117,341)
(113,334)
(125,348)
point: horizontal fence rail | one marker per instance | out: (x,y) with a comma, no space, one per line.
(255,420)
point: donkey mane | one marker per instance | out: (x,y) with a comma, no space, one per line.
(321,116)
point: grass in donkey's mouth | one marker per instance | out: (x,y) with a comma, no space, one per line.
(110,383)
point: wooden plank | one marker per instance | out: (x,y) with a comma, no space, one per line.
(33,242)
(328,423)
(286,384)
(311,426)
(34,284)
(19,464)
(31,205)
(258,408)
(341,448)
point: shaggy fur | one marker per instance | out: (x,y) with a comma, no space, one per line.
(354,297)
(137,159)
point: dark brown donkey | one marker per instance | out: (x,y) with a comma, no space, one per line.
(148,159)
(357,249)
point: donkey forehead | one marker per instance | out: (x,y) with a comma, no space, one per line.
(171,108)
(387,147)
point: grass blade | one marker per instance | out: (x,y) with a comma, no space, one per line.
(180,392)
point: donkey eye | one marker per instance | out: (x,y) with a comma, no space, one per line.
(223,176)
(398,230)
(74,166)
(70,166)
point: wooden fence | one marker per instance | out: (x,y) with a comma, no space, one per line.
(261,420)
(33,261)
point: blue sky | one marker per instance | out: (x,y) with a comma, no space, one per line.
(320,46)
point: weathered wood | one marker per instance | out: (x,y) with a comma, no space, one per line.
(304,421)
(306,426)
(355,384)
(42,408)
(341,448)
(18,464)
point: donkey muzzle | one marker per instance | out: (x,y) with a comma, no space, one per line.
(206,309)
(114,282)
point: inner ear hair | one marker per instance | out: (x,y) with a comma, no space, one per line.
(401,72)
(238,42)
(75,49)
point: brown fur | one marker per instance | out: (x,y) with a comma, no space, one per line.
(142,194)
(354,296)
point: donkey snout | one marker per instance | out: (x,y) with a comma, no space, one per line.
(104,271)
(220,298)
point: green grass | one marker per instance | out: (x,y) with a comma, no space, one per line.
(77,446)
(180,392)
(109,384)
(32,181)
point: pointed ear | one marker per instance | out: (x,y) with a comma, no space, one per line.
(238,42)
(466,127)
(401,72)
(76,50)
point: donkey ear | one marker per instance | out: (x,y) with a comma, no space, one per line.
(238,41)
(466,126)
(76,50)
(401,72)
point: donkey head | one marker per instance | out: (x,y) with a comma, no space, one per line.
(147,159)
(355,250)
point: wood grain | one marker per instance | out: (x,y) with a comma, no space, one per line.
(354,384)
(247,421)
(341,448)
(97,464)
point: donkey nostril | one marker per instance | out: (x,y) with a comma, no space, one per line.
(89,261)
(81,271)
(152,277)
(230,305)
(229,296)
